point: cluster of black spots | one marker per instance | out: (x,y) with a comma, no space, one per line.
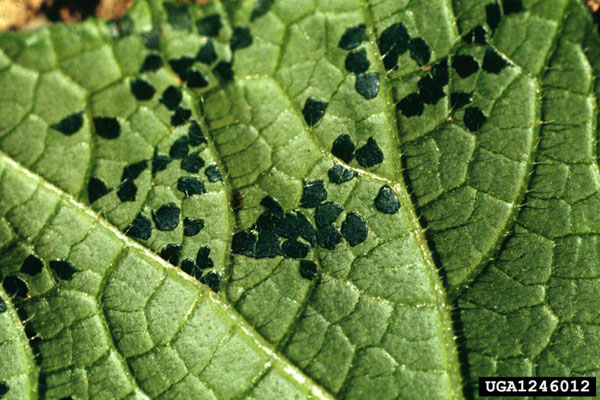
(197,268)
(63,269)
(15,286)
(142,90)
(474,118)
(313,194)
(475,35)
(313,110)
(459,99)
(2,306)
(166,218)
(339,174)
(493,62)
(367,85)
(107,127)
(387,200)
(223,71)
(308,269)
(353,37)
(465,65)
(171,253)
(241,38)
(212,280)
(370,154)
(419,51)
(152,62)
(192,227)
(140,228)
(192,163)
(209,26)
(32,265)
(343,148)
(261,8)
(493,15)
(70,124)
(207,53)
(4,388)
(151,38)
(178,16)
(213,174)
(190,186)
(431,90)
(354,229)
(393,42)
(183,68)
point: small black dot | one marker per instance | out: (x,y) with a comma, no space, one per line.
(4,388)
(267,245)
(353,37)
(223,71)
(367,85)
(354,229)
(171,97)
(387,201)
(241,38)
(63,269)
(308,269)
(419,51)
(474,118)
(493,62)
(159,162)
(96,189)
(492,12)
(196,80)
(209,26)
(32,265)
(152,62)
(190,186)
(70,124)
(180,116)
(178,16)
(15,286)
(127,191)
(261,8)
(171,253)
(191,227)
(180,148)
(107,127)
(475,35)
(207,53)
(440,74)
(305,229)
(243,243)
(512,6)
(166,218)
(357,62)
(2,306)
(339,174)
(411,105)
(181,66)
(203,260)
(343,148)
(313,194)
(142,90)
(465,65)
(212,173)
(459,99)
(132,171)
(140,228)
(328,237)
(313,111)
(370,154)
(212,280)
(294,249)
(392,43)
(195,134)
(327,213)
(430,91)
(189,267)
(192,163)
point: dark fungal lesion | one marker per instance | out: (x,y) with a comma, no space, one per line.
(15,286)
(32,265)
(63,269)
(141,89)
(69,125)
(4,388)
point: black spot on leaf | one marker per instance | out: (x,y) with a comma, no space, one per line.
(181,66)
(179,148)
(223,71)
(166,218)
(294,249)
(15,286)
(328,237)
(419,51)
(243,243)
(353,37)
(411,105)
(288,226)
(212,173)
(189,267)
(267,221)
(171,97)
(474,118)
(203,260)
(308,269)
(357,62)
(191,227)
(192,163)
(190,186)
(327,213)
(132,171)
(387,201)
(63,269)
(142,90)
(393,42)
(339,174)
(272,205)
(209,26)
(354,229)
(70,124)
(32,265)
(512,6)
(96,189)
(493,62)
(107,127)
(207,53)
(159,162)
(475,35)
(196,80)
(212,280)
(439,73)
(367,85)
(313,194)
(465,65)
(4,388)
(2,306)
(152,62)
(241,38)
(151,39)
(492,13)
(430,91)
(343,148)
(313,111)
(140,228)
(261,8)
(305,229)
(370,154)
(267,245)
(171,253)
(459,99)
(178,16)
(180,116)
(127,191)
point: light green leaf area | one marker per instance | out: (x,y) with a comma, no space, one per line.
(275,199)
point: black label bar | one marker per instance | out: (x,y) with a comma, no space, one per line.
(537,386)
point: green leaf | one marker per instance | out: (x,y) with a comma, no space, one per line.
(273,199)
